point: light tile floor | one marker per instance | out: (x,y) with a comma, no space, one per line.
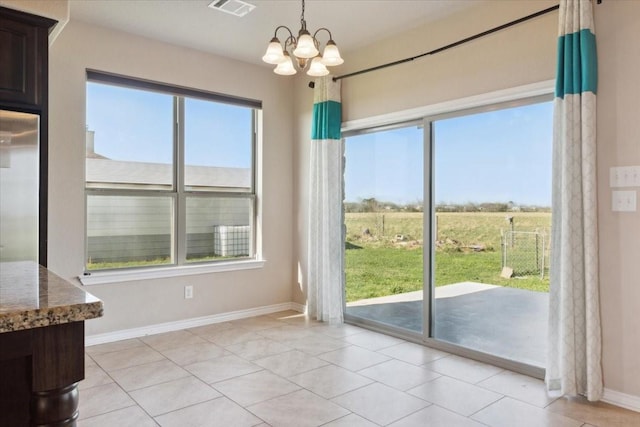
(285,370)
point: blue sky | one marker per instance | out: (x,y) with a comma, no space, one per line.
(385,165)
(137,125)
(496,156)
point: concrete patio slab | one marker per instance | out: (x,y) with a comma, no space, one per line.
(506,322)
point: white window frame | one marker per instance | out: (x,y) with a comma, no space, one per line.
(491,98)
(179,194)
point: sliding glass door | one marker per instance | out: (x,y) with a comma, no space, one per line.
(448,231)
(491,230)
(383,211)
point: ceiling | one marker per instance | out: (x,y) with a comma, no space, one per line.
(190,23)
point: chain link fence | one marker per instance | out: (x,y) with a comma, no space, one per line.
(526,252)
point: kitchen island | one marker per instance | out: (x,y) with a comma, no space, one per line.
(41,345)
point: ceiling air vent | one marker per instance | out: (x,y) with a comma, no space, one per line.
(233,7)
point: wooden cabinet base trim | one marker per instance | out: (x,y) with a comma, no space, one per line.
(55,408)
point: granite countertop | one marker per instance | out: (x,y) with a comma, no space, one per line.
(32,296)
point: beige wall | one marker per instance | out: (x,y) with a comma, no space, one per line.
(141,303)
(515,57)
(617,32)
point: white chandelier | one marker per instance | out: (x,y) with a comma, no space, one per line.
(305,49)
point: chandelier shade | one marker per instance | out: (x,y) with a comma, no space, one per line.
(331,55)
(305,49)
(317,68)
(274,54)
(285,68)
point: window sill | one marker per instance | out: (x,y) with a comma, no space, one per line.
(105,277)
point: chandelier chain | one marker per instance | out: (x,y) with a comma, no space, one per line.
(302,14)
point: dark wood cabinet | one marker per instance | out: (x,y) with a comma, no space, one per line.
(40,369)
(18,49)
(23,57)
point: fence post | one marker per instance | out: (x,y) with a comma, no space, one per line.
(538,250)
(513,235)
(504,249)
(544,254)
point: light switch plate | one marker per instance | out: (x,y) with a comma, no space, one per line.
(624,176)
(623,201)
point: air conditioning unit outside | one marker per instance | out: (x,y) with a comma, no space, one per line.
(231,240)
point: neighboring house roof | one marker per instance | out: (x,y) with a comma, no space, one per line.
(92,155)
(102,170)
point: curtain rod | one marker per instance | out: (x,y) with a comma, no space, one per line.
(451,45)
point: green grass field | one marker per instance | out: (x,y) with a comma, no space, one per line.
(384,254)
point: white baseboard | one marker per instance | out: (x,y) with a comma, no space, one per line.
(189,323)
(302,308)
(623,400)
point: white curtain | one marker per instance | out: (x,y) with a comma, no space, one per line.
(574,347)
(325,293)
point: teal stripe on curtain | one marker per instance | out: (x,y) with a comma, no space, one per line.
(327,119)
(577,64)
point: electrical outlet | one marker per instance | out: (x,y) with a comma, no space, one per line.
(623,201)
(188,292)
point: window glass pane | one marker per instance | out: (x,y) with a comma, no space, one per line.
(129,141)
(491,241)
(383,215)
(169,177)
(218,227)
(128,231)
(218,146)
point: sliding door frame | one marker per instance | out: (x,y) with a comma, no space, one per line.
(516,97)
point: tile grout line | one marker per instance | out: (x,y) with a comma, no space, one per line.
(222,396)
(319,356)
(486,406)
